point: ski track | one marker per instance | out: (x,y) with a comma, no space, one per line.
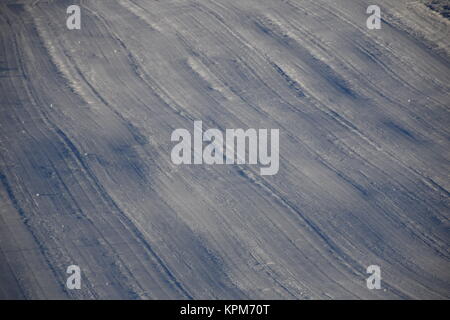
(85,171)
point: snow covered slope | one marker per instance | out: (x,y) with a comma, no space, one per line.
(87,179)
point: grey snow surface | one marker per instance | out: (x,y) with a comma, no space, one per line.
(86,176)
